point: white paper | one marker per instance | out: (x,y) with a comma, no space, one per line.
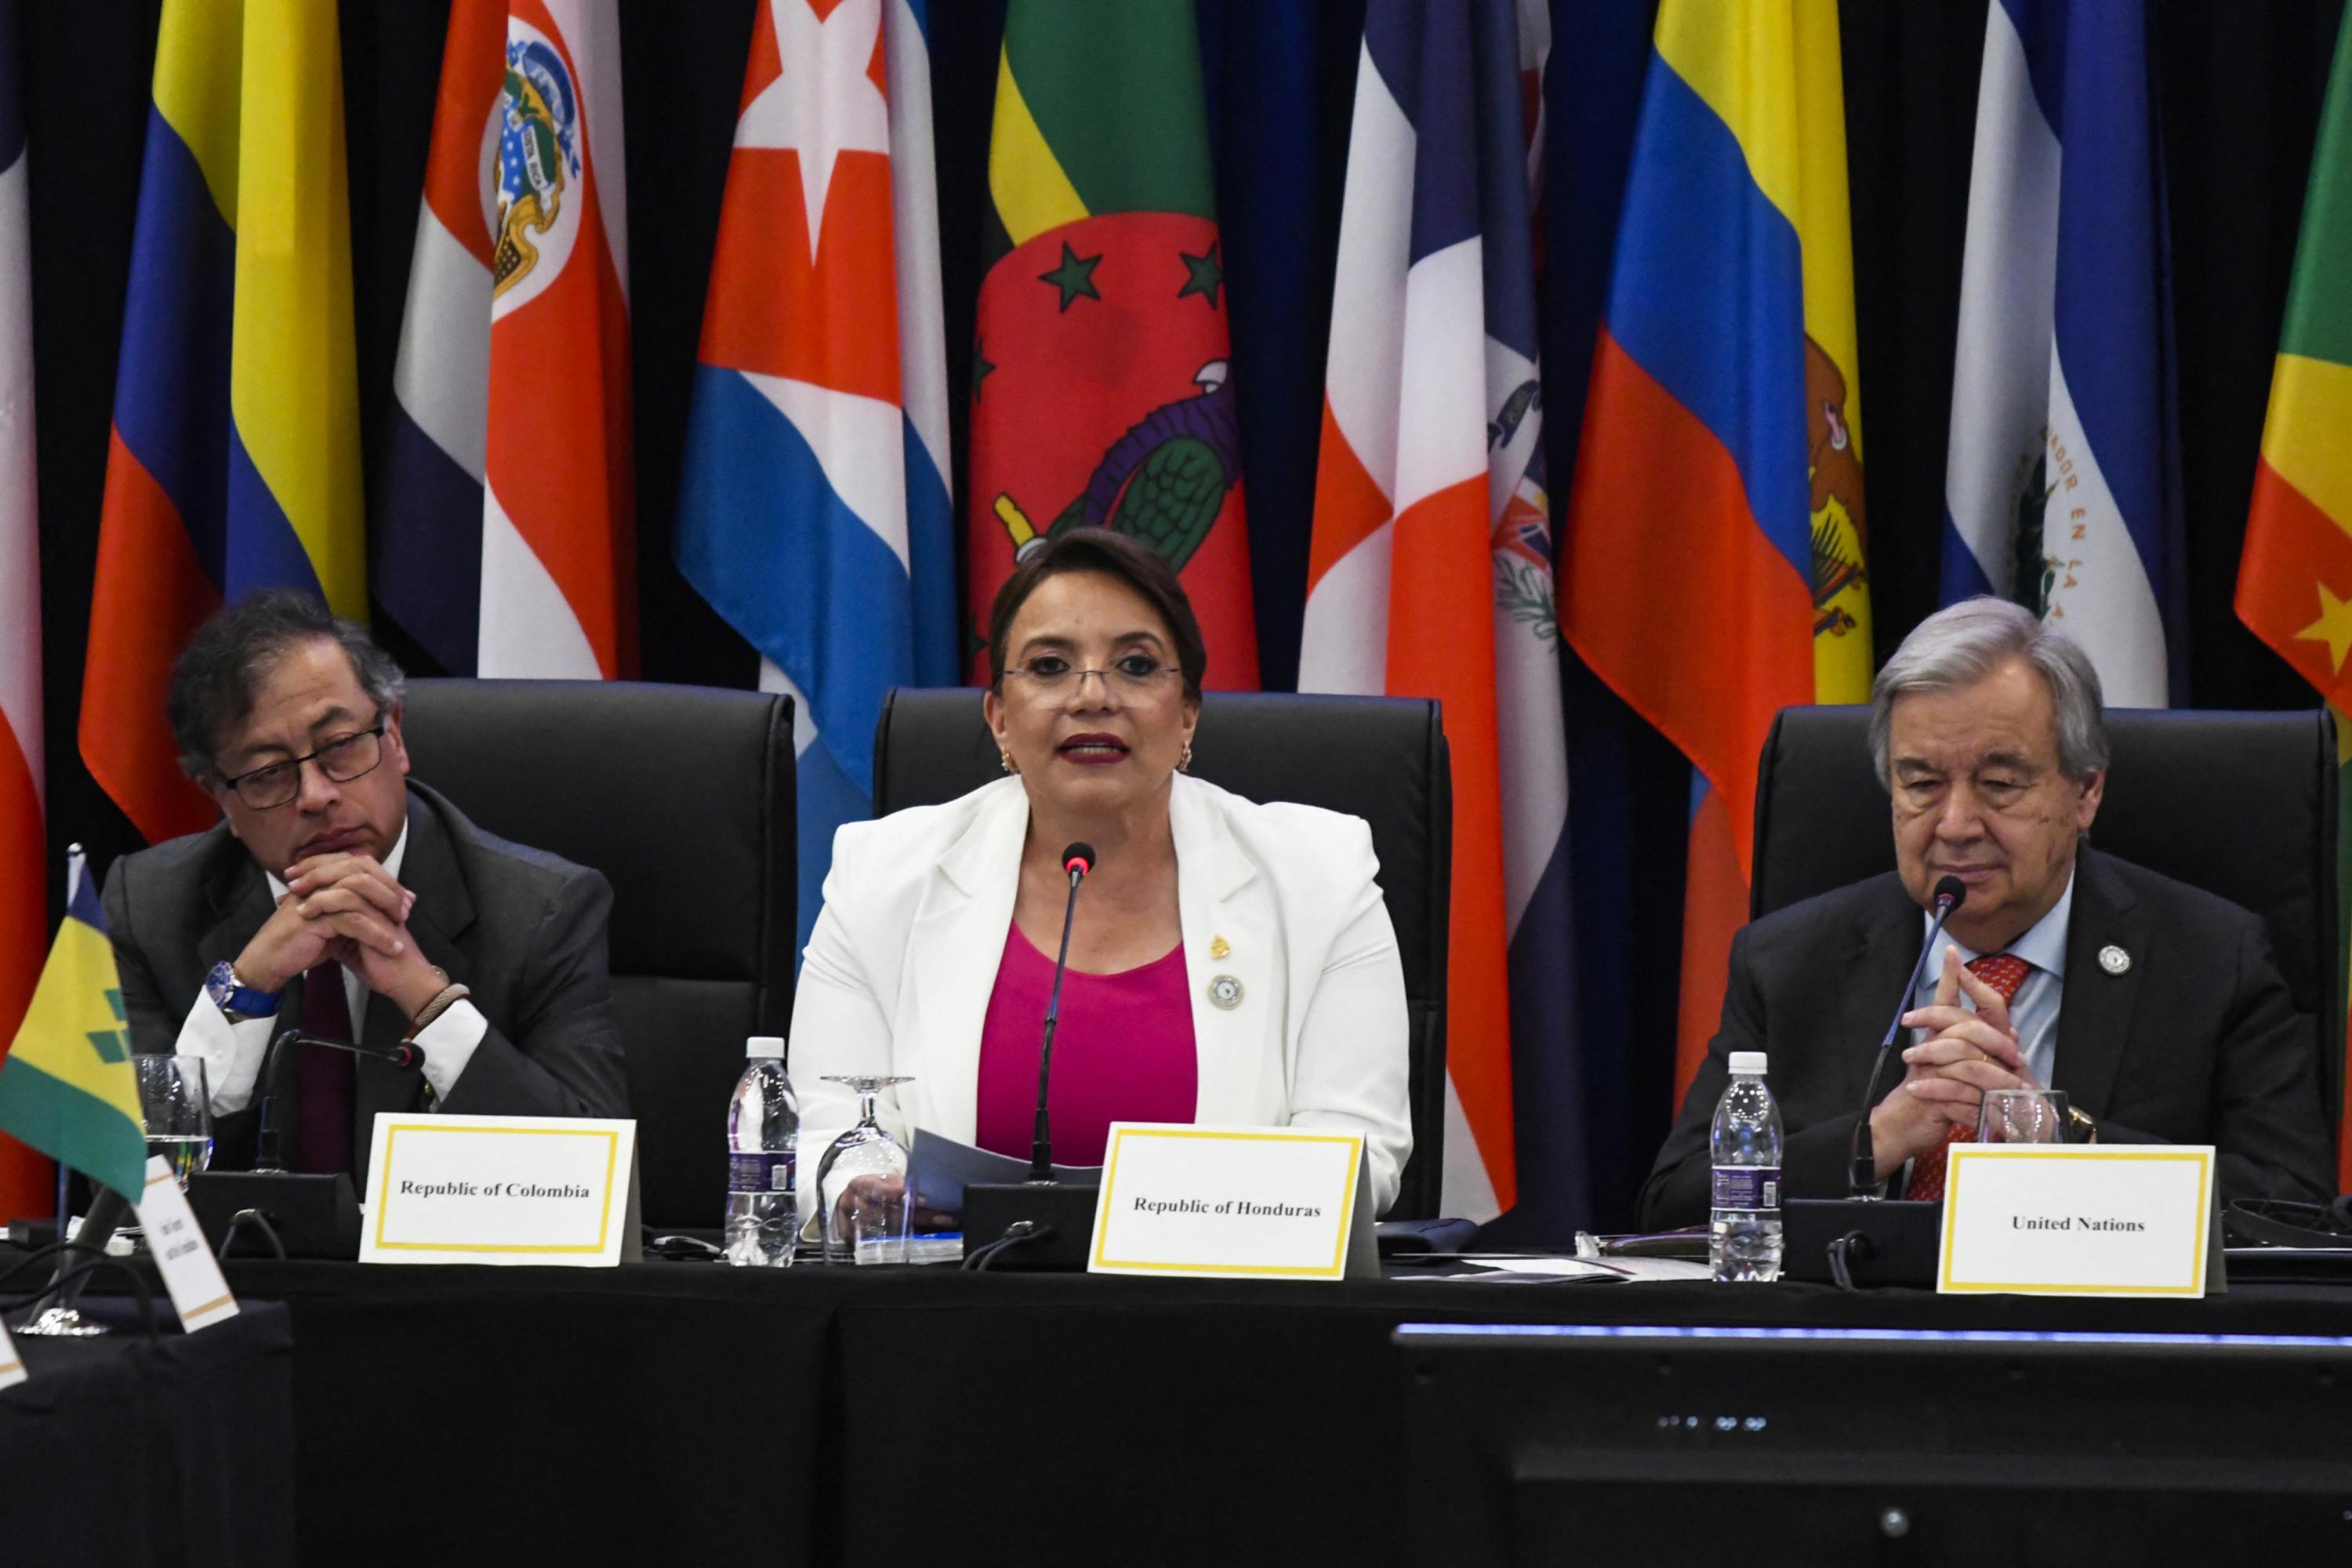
(500,1189)
(181,1254)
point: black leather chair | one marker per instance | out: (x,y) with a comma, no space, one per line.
(2241,804)
(1380,758)
(683,797)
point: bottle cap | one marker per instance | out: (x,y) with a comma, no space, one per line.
(769,1047)
(1748,1062)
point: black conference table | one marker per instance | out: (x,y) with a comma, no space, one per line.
(676,1412)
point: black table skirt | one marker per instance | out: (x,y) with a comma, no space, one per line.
(693,1413)
(131,1450)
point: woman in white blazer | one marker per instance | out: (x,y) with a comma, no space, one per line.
(1237,954)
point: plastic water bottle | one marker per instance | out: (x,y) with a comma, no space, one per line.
(1744,1232)
(763,1128)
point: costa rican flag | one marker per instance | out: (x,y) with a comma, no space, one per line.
(2062,488)
(506,525)
(1430,572)
(812,512)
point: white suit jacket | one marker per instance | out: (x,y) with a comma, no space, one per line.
(903,959)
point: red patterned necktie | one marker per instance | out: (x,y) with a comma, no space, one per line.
(2005,971)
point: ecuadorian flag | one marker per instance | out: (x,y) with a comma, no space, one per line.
(65,1086)
(235,462)
(1714,563)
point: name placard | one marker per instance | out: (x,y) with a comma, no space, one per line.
(2077,1220)
(12,1366)
(1234,1202)
(501,1189)
(199,1292)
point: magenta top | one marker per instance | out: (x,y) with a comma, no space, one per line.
(1122,1052)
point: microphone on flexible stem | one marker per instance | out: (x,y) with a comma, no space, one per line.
(1862,1176)
(267,1155)
(1078,859)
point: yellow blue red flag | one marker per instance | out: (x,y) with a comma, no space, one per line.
(65,1086)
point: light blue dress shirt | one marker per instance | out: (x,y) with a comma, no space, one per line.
(2034,1009)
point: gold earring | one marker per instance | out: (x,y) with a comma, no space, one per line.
(1005,758)
(1184,763)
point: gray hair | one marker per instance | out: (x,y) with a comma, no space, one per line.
(1960,645)
(217,674)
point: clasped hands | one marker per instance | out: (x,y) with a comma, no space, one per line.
(346,907)
(1968,1055)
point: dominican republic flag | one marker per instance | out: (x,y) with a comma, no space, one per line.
(235,459)
(23,880)
(813,511)
(1431,569)
(2061,490)
(506,518)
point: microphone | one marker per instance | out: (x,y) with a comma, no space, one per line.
(1078,859)
(1862,1175)
(267,1156)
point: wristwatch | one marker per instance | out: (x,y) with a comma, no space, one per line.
(2080,1128)
(235,999)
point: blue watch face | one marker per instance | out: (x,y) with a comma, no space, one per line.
(221,985)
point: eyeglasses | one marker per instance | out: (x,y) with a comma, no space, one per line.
(342,758)
(1139,675)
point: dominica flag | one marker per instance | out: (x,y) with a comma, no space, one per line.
(65,1086)
(1715,565)
(235,462)
(2295,579)
(1101,391)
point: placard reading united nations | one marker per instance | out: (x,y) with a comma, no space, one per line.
(500,1189)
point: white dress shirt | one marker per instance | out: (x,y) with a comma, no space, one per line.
(232,1053)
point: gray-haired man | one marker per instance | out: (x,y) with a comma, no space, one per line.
(338,897)
(1987,730)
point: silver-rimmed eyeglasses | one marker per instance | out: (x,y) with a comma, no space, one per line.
(1139,675)
(342,758)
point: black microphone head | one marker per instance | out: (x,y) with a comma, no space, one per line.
(1078,859)
(1951,890)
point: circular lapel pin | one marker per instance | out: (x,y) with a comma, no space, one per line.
(1225,993)
(2114,960)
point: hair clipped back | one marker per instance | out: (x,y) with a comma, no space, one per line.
(217,674)
(1961,645)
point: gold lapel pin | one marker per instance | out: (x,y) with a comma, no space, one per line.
(1219,947)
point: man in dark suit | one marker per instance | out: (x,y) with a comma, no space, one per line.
(2154,1007)
(335,894)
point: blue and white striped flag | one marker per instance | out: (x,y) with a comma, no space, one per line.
(813,511)
(2062,487)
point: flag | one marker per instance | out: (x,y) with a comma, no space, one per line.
(425,549)
(65,1086)
(1715,558)
(1430,572)
(234,459)
(2295,579)
(507,541)
(2061,485)
(812,511)
(24,889)
(1099,382)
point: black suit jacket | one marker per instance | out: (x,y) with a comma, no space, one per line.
(2197,1042)
(523,929)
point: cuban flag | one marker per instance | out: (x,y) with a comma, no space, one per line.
(1431,569)
(24,878)
(2061,490)
(812,511)
(506,524)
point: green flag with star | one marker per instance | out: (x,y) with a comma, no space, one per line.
(1101,385)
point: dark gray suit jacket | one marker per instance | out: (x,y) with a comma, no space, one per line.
(2197,1042)
(524,930)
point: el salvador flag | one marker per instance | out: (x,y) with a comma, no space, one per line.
(2063,488)
(814,512)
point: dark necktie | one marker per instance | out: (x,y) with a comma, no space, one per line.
(324,1082)
(2005,971)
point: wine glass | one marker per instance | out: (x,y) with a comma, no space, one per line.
(861,1183)
(2022,1116)
(177,1108)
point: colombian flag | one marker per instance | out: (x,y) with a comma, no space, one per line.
(1714,564)
(2295,579)
(235,462)
(65,1086)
